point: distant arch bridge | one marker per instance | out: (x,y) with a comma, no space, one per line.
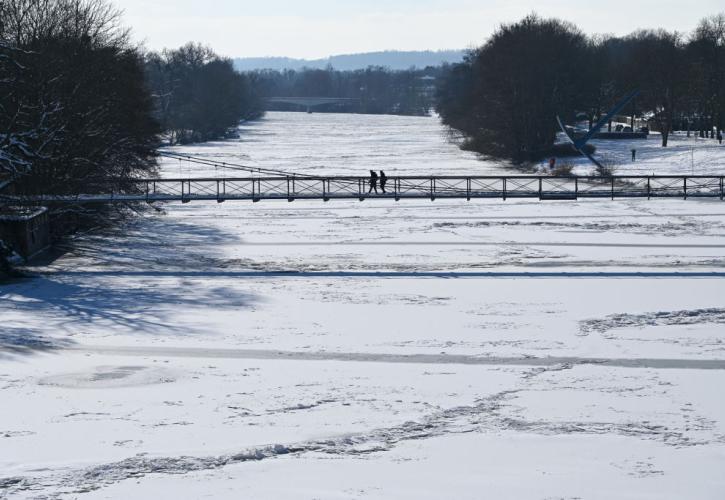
(311,102)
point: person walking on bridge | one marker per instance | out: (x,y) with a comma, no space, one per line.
(383,181)
(373,182)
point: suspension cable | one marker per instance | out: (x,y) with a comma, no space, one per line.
(230,166)
(235,166)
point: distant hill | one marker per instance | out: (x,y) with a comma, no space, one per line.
(395,60)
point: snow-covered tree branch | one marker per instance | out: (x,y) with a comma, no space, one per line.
(75,112)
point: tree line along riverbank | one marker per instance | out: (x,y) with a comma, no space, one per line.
(505,97)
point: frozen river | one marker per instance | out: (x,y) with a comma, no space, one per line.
(334,144)
(329,144)
(324,351)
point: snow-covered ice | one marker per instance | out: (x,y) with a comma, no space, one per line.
(254,351)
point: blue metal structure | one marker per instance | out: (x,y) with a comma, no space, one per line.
(582,141)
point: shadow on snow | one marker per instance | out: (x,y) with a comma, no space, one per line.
(56,308)
(16,341)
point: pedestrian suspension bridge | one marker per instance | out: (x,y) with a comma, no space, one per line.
(268,184)
(293,188)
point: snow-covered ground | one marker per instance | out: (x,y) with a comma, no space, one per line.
(373,350)
(683,156)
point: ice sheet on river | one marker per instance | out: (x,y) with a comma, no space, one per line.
(244,350)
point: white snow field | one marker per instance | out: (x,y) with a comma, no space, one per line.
(418,350)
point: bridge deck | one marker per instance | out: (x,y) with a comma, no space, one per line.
(397,188)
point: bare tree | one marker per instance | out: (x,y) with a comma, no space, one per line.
(198,95)
(75,107)
(657,65)
(706,73)
(75,113)
(520,80)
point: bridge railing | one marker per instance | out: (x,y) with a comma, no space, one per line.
(542,187)
(400,187)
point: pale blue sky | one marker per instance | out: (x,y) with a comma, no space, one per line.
(319,28)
